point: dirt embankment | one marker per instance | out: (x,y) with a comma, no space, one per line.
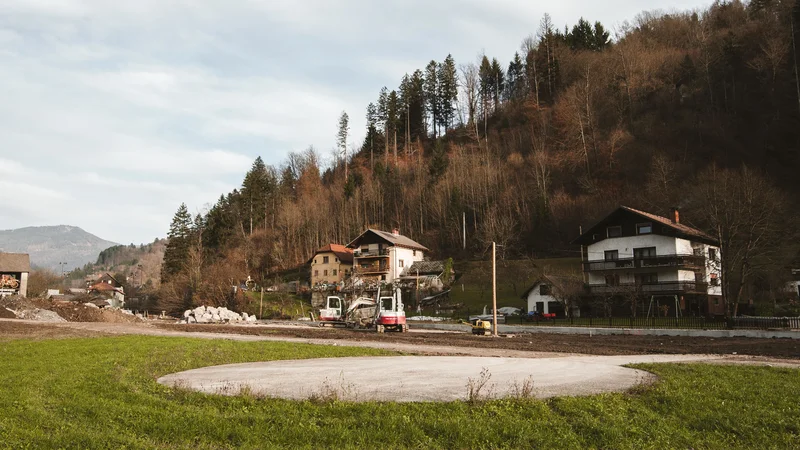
(561,343)
(45,310)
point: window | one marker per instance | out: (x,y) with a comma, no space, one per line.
(315,261)
(612,280)
(714,279)
(716,301)
(325,273)
(613,232)
(335,272)
(316,273)
(544,289)
(324,260)
(647,278)
(644,228)
(712,254)
(414,253)
(364,249)
(646,252)
(336,259)
(401,263)
(611,255)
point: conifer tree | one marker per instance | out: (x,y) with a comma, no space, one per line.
(341,139)
(432,95)
(177,249)
(448,91)
(515,78)
(256,187)
(498,82)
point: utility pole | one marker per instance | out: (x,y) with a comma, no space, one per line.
(261,305)
(494,291)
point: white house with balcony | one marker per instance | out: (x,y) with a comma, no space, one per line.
(381,256)
(635,253)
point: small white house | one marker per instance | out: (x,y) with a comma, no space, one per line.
(383,256)
(545,297)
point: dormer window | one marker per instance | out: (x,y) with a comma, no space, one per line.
(613,232)
(644,228)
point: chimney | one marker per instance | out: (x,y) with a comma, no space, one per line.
(395,231)
(676,215)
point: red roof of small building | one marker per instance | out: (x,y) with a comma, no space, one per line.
(343,253)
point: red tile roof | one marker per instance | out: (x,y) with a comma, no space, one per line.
(680,230)
(664,221)
(394,239)
(343,253)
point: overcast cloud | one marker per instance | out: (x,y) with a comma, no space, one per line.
(112,113)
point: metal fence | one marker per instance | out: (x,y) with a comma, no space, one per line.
(701,323)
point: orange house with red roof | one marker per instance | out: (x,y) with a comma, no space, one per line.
(331,264)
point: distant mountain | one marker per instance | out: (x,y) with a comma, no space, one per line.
(51,245)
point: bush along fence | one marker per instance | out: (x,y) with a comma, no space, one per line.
(702,323)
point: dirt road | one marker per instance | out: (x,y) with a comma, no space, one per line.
(430,343)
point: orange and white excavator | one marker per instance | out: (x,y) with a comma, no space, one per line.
(386,314)
(390,315)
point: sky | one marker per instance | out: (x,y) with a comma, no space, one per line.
(114,112)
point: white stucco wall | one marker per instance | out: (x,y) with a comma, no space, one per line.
(664,245)
(534,296)
(23,285)
(406,255)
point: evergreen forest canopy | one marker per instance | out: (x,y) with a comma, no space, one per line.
(678,109)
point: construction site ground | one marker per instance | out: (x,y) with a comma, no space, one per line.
(426,342)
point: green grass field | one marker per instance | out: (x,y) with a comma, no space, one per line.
(101,393)
(276,305)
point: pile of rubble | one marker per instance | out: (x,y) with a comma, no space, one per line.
(28,309)
(210,314)
(45,310)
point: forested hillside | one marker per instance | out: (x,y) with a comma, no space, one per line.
(699,110)
(135,265)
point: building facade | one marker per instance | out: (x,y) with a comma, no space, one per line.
(633,254)
(14,270)
(381,256)
(331,264)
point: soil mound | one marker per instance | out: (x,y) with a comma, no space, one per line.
(44,310)
(79,312)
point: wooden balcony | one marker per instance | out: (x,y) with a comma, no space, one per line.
(688,262)
(372,269)
(383,253)
(666,287)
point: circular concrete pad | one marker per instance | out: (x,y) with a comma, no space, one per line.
(417,378)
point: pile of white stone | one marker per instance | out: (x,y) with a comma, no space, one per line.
(210,314)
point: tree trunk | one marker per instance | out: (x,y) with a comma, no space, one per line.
(796,73)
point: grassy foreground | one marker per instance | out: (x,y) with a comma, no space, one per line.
(101,393)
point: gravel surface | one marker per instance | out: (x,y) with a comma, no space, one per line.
(423,378)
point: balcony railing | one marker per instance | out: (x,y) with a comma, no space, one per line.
(371,269)
(653,262)
(650,288)
(371,253)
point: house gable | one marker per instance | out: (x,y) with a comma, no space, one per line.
(628,222)
(372,236)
